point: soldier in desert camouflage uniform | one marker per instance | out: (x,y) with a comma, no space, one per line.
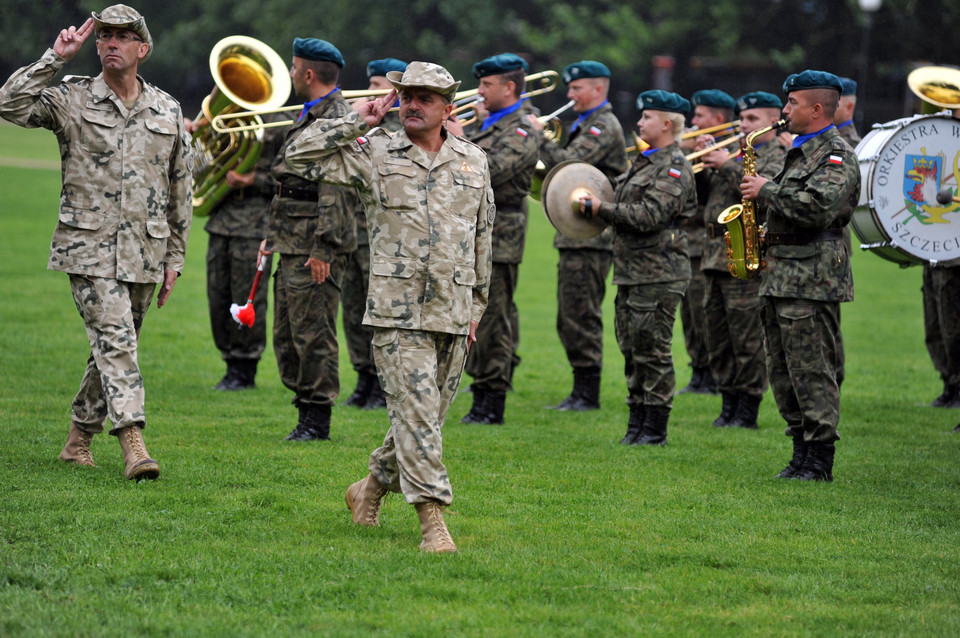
(512,152)
(732,306)
(651,265)
(807,272)
(596,137)
(368,394)
(313,230)
(429,209)
(125,210)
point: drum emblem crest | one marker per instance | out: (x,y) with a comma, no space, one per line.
(922,177)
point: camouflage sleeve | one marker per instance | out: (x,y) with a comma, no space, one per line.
(180,205)
(25,99)
(511,154)
(651,203)
(815,198)
(483,251)
(330,151)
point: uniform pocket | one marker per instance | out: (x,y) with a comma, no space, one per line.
(398,186)
(386,354)
(82,219)
(98,131)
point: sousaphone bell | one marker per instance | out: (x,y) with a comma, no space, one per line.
(563,187)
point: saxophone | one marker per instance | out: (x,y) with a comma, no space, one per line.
(743,234)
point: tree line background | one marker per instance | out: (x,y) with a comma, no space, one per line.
(736,46)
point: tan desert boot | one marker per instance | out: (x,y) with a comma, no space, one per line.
(364,499)
(77,448)
(138,463)
(436,536)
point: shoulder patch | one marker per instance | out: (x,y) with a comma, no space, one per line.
(836,159)
(521,132)
(674,173)
(595,131)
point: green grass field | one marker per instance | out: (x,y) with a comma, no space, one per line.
(562,531)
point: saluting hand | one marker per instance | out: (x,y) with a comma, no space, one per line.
(71,39)
(372,112)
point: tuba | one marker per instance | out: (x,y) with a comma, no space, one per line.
(248,75)
(743,233)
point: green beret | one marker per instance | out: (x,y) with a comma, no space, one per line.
(758,100)
(315,49)
(120,16)
(812,80)
(714,98)
(381,67)
(848,86)
(497,64)
(585,69)
(663,101)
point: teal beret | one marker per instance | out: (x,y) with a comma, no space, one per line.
(714,98)
(663,101)
(497,64)
(849,87)
(585,69)
(315,49)
(758,100)
(381,67)
(812,80)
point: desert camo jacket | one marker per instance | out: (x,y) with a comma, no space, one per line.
(512,153)
(429,220)
(599,141)
(125,201)
(651,199)
(817,190)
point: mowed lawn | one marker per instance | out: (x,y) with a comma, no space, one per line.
(562,532)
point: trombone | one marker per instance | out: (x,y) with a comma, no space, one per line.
(551,122)
(223,123)
(727,128)
(465,101)
(699,166)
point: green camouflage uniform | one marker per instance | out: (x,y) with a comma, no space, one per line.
(852,136)
(584,263)
(941,320)
(429,220)
(512,153)
(125,211)
(305,313)
(236,228)
(731,305)
(651,268)
(356,278)
(807,276)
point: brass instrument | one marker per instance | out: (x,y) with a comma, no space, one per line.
(721,144)
(466,110)
(224,123)
(743,234)
(551,131)
(727,128)
(548,82)
(936,86)
(248,75)
(638,145)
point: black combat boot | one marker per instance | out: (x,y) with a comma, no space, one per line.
(634,425)
(586,391)
(229,380)
(495,404)
(748,406)
(247,374)
(478,411)
(314,423)
(654,430)
(948,398)
(727,410)
(818,466)
(799,456)
(696,381)
(377,398)
(361,394)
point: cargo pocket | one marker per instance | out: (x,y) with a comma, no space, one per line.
(386,355)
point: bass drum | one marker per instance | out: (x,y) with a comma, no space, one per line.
(904,165)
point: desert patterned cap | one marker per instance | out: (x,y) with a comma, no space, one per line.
(120,16)
(425,75)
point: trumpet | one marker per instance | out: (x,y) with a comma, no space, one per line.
(548,82)
(727,128)
(466,110)
(699,166)
(551,122)
(223,123)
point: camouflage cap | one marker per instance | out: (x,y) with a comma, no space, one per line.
(425,75)
(812,80)
(120,16)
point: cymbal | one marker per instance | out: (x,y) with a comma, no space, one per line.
(938,85)
(563,187)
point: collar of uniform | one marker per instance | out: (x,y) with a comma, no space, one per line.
(100,92)
(452,149)
(813,144)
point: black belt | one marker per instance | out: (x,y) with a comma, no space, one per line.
(716,230)
(303,194)
(799,239)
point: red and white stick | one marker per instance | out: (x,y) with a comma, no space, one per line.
(245,315)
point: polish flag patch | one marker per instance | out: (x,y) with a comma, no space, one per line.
(594,130)
(836,159)
(521,132)
(674,173)
(361,141)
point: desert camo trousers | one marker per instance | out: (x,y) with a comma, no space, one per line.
(112,386)
(420,373)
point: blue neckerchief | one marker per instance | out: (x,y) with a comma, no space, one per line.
(495,116)
(800,139)
(847,123)
(310,105)
(649,152)
(584,116)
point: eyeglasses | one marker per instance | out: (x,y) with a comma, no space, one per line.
(123,37)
